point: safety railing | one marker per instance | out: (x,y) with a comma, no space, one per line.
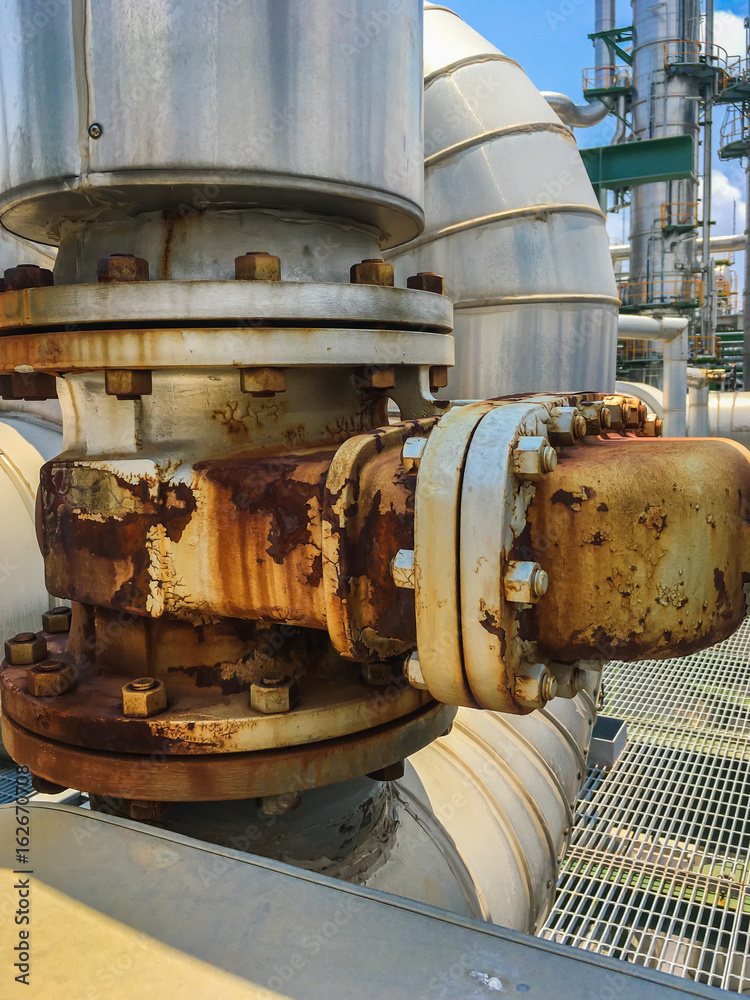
(679,215)
(605,78)
(738,67)
(726,286)
(679,291)
(689,52)
(704,347)
(734,129)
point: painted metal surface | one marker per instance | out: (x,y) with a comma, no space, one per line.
(112,898)
(148,121)
(512,223)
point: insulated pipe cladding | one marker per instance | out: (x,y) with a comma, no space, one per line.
(275,590)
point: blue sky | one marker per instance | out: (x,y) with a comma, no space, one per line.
(549,39)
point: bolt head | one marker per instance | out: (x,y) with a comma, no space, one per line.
(413,672)
(533,458)
(25,648)
(535,686)
(120,267)
(27,276)
(375,378)
(427,281)
(524,582)
(257,265)
(95,130)
(411,453)
(127,383)
(263,382)
(373,271)
(391,772)
(57,619)
(50,678)
(378,674)
(143,697)
(280,805)
(273,696)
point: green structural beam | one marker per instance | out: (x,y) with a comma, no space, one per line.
(644,162)
(613,39)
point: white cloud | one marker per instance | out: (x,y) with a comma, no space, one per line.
(729,32)
(727,204)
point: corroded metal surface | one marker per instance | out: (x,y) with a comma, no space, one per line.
(225,776)
(645,542)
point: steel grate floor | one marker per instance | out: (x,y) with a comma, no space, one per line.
(659,869)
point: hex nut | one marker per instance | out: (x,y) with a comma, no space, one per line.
(413,672)
(257,265)
(372,271)
(377,674)
(50,678)
(127,383)
(280,805)
(143,697)
(402,569)
(28,385)
(121,267)
(27,276)
(535,687)
(391,772)
(411,453)
(427,281)
(653,426)
(271,696)
(533,458)
(25,648)
(57,619)
(524,582)
(566,426)
(263,382)
(438,377)
(375,378)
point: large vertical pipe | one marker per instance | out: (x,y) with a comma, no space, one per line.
(675,385)
(604,20)
(708,284)
(664,104)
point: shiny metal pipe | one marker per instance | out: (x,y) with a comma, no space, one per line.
(576,115)
(605,19)
(513,223)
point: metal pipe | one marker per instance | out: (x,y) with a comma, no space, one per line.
(576,115)
(717,244)
(605,19)
(666,328)
(512,222)
(746,291)
(707,305)
(675,385)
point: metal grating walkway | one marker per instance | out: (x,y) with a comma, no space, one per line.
(659,870)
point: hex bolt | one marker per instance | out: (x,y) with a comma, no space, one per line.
(25,648)
(257,265)
(391,772)
(57,619)
(438,377)
(377,674)
(570,679)
(427,281)
(413,672)
(143,697)
(263,382)
(524,582)
(375,378)
(535,687)
(402,569)
(50,678)
(372,271)
(95,130)
(45,787)
(566,425)
(411,453)
(653,426)
(121,267)
(533,458)
(127,383)
(27,276)
(279,805)
(145,810)
(273,695)
(605,418)
(28,385)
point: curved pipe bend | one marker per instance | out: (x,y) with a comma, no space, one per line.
(576,115)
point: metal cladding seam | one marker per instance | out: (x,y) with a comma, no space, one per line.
(513,224)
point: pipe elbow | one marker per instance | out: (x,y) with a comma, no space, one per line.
(576,115)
